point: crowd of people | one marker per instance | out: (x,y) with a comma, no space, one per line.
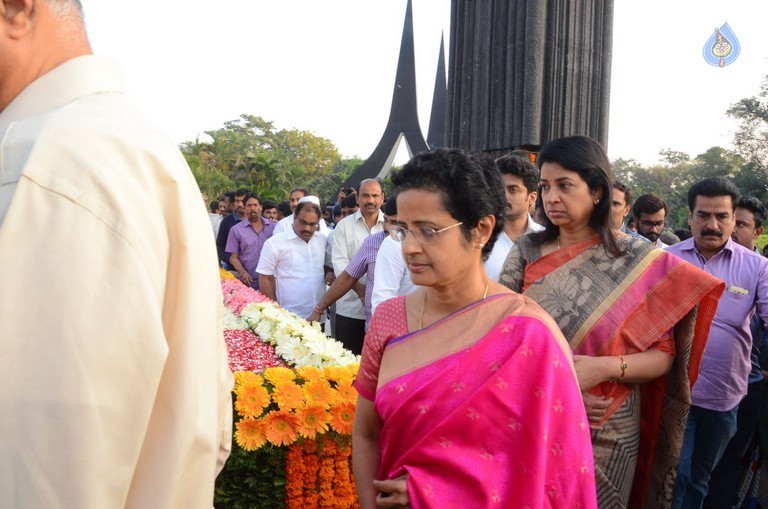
(524,342)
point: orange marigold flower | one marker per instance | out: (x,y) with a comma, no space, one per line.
(335,372)
(342,417)
(313,419)
(320,392)
(287,395)
(281,427)
(279,374)
(345,391)
(225,274)
(250,434)
(309,373)
(247,377)
(251,400)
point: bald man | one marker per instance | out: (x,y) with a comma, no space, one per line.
(114,388)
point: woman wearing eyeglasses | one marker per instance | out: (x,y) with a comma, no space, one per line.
(468,397)
(628,310)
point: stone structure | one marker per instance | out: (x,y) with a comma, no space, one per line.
(523,72)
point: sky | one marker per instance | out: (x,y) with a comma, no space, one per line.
(329,67)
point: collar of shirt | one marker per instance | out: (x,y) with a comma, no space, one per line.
(85,75)
(359,217)
(532,226)
(690,245)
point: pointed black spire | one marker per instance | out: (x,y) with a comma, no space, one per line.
(403,116)
(436,134)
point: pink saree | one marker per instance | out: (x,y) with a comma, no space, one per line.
(481,409)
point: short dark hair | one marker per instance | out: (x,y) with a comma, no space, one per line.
(230,195)
(683,234)
(649,204)
(712,187)
(285,208)
(753,205)
(469,184)
(621,186)
(349,201)
(242,192)
(588,158)
(214,205)
(252,195)
(390,206)
(300,189)
(511,164)
(268,204)
(304,204)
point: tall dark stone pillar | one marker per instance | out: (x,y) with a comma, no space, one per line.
(523,72)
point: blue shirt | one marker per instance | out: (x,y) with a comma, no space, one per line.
(725,365)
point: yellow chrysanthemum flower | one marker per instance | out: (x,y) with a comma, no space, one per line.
(288,395)
(342,417)
(320,392)
(313,419)
(309,373)
(250,434)
(251,400)
(279,374)
(345,391)
(281,427)
(224,275)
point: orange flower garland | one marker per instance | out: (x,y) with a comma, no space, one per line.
(294,477)
(327,473)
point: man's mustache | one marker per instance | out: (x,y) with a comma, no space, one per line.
(714,233)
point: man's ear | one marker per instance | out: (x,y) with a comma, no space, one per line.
(16,17)
(758,231)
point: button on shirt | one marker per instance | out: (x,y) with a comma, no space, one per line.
(725,366)
(247,243)
(298,270)
(348,236)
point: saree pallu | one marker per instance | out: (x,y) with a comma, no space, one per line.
(616,305)
(482,409)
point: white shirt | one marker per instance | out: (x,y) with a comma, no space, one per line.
(286,224)
(114,384)
(298,270)
(348,236)
(495,262)
(392,277)
(215,223)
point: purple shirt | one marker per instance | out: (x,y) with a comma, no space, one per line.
(725,366)
(365,261)
(247,243)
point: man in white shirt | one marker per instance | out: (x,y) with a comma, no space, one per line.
(521,181)
(114,385)
(296,195)
(348,236)
(651,216)
(291,264)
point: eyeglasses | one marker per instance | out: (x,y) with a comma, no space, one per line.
(304,224)
(423,234)
(653,224)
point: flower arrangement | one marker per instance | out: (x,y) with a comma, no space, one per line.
(294,405)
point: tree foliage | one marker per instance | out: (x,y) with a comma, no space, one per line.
(250,152)
(751,137)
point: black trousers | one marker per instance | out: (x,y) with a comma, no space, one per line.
(351,333)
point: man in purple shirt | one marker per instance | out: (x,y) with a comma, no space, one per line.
(725,365)
(246,239)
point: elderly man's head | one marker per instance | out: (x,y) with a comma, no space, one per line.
(35,37)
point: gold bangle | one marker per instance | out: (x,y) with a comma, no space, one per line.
(623,370)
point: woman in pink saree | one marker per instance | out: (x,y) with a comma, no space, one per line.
(468,395)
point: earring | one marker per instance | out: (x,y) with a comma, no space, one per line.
(597,201)
(479,246)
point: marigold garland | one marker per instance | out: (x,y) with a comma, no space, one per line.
(294,477)
(327,473)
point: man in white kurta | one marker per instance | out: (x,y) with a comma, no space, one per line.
(114,389)
(291,265)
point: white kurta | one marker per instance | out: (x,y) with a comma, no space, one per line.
(297,267)
(114,387)
(392,277)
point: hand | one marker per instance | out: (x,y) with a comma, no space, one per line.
(314,317)
(330,277)
(590,371)
(246,278)
(595,407)
(392,493)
